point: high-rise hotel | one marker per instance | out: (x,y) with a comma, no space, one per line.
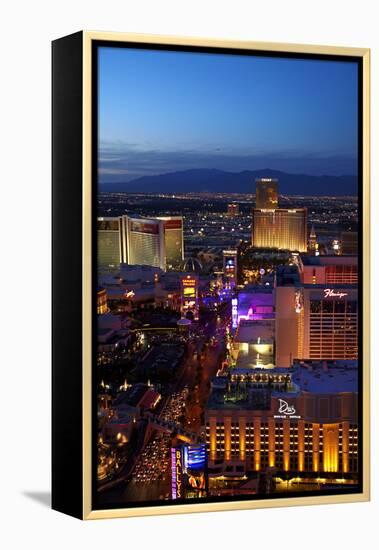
(135,240)
(273,227)
(301,421)
(266,193)
(316,307)
(108,243)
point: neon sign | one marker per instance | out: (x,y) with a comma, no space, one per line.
(286,410)
(331,293)
(176,473)
(195,456)
(234,312)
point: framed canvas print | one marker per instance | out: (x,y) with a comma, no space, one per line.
(210,275)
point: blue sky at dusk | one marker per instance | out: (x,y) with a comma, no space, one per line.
(167,111)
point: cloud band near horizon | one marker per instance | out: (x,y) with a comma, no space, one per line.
(126,162)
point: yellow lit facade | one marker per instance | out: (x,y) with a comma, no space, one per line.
(102,301)
(109,236)
(266,193)
(280,228)
(323,326)
(255,442)
(246,440)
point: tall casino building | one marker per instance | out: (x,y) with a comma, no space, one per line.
(274,227)
(301,421)
(156,242)
(316,307)
(109,242)
(172,229)
(266,193)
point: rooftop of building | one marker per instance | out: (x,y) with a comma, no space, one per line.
(255,331)
(252,389)
(328,260)
(238,399)
(338,376)
(281,209)
(132,396)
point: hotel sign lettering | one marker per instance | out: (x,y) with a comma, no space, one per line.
(286,410)
(331,293)
(173,224)
(176,473)
(143,227)
(189,282)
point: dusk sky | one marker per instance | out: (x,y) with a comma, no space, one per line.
(167,111)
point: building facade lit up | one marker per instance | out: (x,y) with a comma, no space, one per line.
(315,320)
(274,227)
(189,285)
(102,301)
(280,228)
(188,471)
(157,242)
(229,258)
(266,193)
(301,421)
(109,245)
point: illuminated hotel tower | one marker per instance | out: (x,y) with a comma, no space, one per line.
(102,301)
(156,242)
(108,243)
(304,422)
(266,193)
(317,310)
(173,241)
(273,227)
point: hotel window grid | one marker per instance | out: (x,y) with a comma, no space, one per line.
(264,444)
(144,249)
(286,442)
(235,439)
(320,446)
(250,437)
(280,228)
(279,445)
(353,448)
(293,447)
(341,274)
(173,245)
(333,326)
(308,447)
(340,447)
